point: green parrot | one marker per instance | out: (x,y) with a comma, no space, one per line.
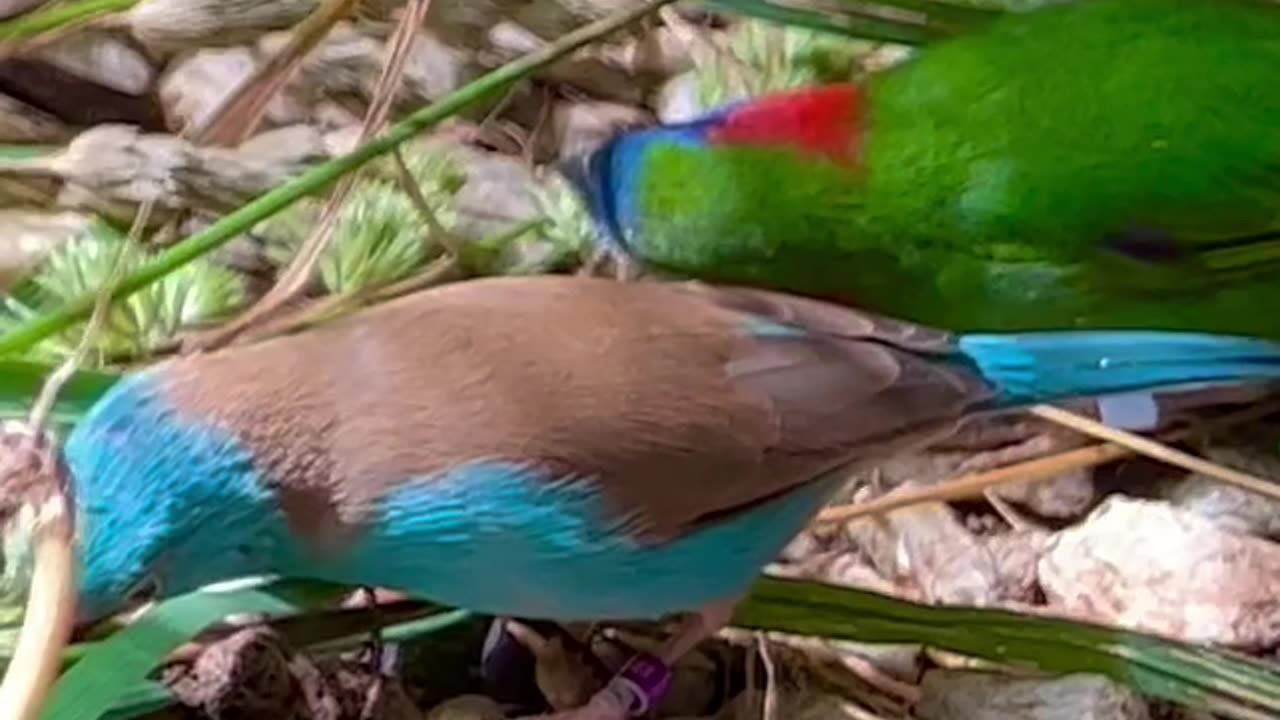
(1092,164)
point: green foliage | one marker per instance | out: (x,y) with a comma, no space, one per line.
(21,381)
(59,17)
(567,232)
(195,294)
(1221,682)
(763,57)
(381,236)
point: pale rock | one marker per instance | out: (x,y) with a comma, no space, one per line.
(584,69)
(552,18)
(1017,556)
(22,123)
(1149,566)
(465,23)
(112,168)
(1230,507)
(498,194)
(660,53)
(467,707)
(102,57)
(349,63)
(26,237)
(927,546)
(11,8)
(168,26)
(196,84)
(582,127)
(968,695)
(677,100)
(1066,495)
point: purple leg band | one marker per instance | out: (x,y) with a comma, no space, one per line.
(645,681)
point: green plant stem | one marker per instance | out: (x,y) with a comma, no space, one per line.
(1222,682)
(851,24)
(59,17)
(316,179)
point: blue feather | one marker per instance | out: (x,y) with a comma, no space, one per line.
(159,498)
(610,179)
(507,540)
(164,496)
(1040,367)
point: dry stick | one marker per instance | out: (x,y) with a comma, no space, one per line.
(51,600)
(1157,450)
(972,484)
(49,616)
(53,385)
(295,277)
(770,710)
(410,186)
(238,117)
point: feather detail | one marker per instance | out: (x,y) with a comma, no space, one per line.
(1038,367)
(824,122)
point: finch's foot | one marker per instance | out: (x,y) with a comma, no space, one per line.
(644,681)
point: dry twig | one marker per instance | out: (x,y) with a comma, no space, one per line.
(973,484)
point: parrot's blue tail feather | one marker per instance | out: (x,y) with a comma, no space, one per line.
(1041,367)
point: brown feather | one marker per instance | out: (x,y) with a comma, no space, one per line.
(656,392)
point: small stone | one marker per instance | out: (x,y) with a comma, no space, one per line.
(1017,555)
(677,100)
(11,8)
(967,695)
(176,25)
(102,57)
(467,707)
(349,63)
(245,675)
(197,84)
(498,194)
(582,127)
(22,123)
(1232,508)
(1149,566)
(927,545)
(30,236)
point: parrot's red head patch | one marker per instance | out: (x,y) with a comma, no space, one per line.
(826,121)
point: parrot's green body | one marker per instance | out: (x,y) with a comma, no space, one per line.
(1095,164)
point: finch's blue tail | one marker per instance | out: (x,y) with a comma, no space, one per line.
(1041,367)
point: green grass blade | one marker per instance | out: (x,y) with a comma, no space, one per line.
(851,24)
(20,383)
(1222,682)
(142,699)
(106,673)
(26,152)
(148,696)
(943,19)
(316,179)
(61,16)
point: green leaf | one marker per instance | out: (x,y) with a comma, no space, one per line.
(1225,683)
(379,237)
(198,293)
(21,381)
(110,678)
(105,675)
(59,16)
